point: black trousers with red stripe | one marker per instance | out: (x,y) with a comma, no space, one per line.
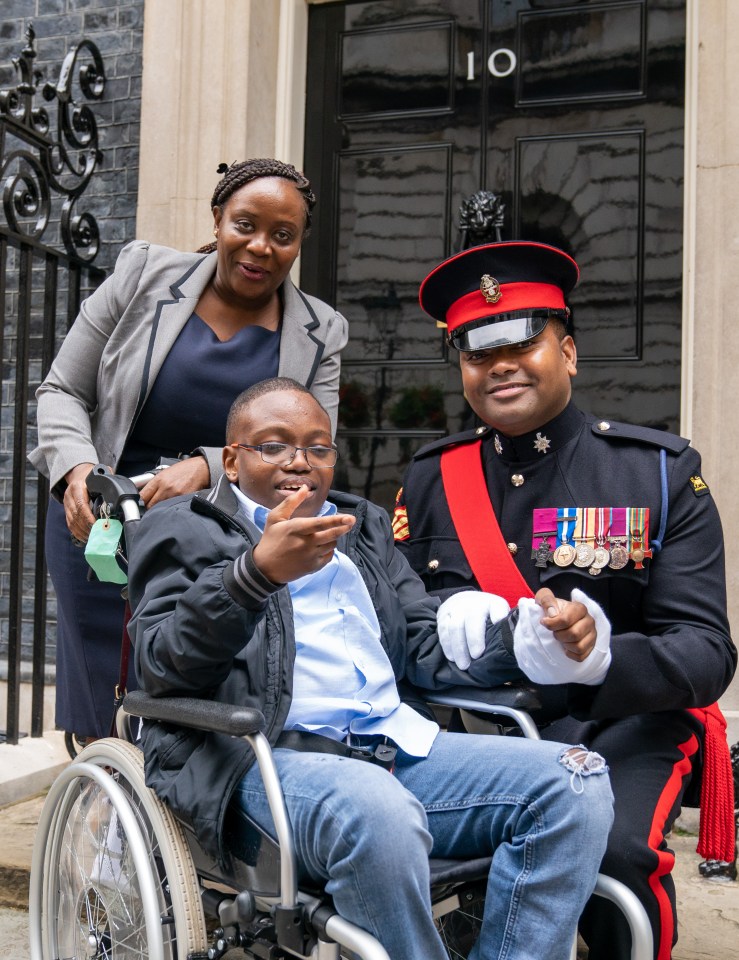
(651,758)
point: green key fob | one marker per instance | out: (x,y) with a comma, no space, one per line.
(101,550)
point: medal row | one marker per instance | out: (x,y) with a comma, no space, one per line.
(591,538)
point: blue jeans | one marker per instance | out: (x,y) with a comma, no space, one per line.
(367,835)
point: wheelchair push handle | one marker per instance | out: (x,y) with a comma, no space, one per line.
(120,494)
(141,479)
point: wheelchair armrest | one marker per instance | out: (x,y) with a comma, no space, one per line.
(518,695)
(199,714)
(543,704)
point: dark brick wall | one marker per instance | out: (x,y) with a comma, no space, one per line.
(116,27)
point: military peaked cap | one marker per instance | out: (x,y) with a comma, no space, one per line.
(499,293)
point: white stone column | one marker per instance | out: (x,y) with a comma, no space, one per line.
(711,342)
(222,81)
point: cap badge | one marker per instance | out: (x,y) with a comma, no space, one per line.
(490,288)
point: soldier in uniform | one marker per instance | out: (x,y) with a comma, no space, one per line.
(545,494)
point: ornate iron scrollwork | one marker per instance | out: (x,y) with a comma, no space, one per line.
(42,164)
(481,218)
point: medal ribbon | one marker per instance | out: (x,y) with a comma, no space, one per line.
(618,523)
(637,526)
(565,525)
(602,531)
(476,524)
(545,526)
(643,516)
(587,527)
(590,521)
(578,534)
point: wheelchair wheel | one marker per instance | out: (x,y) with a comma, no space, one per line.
(460,928)
(112,877)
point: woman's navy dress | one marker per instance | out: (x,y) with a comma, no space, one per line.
(186,408)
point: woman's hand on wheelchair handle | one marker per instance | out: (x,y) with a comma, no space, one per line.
(76,502)
(187,476)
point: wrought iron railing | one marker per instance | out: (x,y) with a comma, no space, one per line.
(48,154)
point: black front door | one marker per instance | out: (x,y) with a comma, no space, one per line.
(572,115)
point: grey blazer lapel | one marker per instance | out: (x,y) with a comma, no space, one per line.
(301,348)
(170,316)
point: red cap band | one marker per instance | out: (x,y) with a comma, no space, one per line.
(514,296)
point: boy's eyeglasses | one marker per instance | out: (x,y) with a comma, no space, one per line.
(283,454)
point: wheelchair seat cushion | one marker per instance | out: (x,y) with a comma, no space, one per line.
(459,871)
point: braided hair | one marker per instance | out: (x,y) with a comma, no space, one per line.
(238,174)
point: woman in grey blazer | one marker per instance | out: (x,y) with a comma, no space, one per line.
(150,368)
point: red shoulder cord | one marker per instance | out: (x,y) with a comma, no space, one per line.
(496,572)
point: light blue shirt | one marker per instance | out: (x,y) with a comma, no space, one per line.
(343,681)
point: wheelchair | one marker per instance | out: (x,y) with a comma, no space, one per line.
(115,876)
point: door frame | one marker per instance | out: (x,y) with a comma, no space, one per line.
(295,52)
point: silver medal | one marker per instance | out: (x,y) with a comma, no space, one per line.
(619,556)
(602,556)
(584,555)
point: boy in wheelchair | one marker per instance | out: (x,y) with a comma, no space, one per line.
(264,593)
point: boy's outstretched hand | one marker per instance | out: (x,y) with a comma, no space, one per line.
(292,547)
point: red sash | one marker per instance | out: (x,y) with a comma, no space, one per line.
(495,570)
(476,524)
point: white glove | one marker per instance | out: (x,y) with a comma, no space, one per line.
(542,657)
(461,621)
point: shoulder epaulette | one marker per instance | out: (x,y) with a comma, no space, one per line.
(466,436)
(613,430)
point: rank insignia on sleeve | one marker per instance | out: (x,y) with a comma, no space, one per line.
(400,519)
(400,524)
(699,485)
